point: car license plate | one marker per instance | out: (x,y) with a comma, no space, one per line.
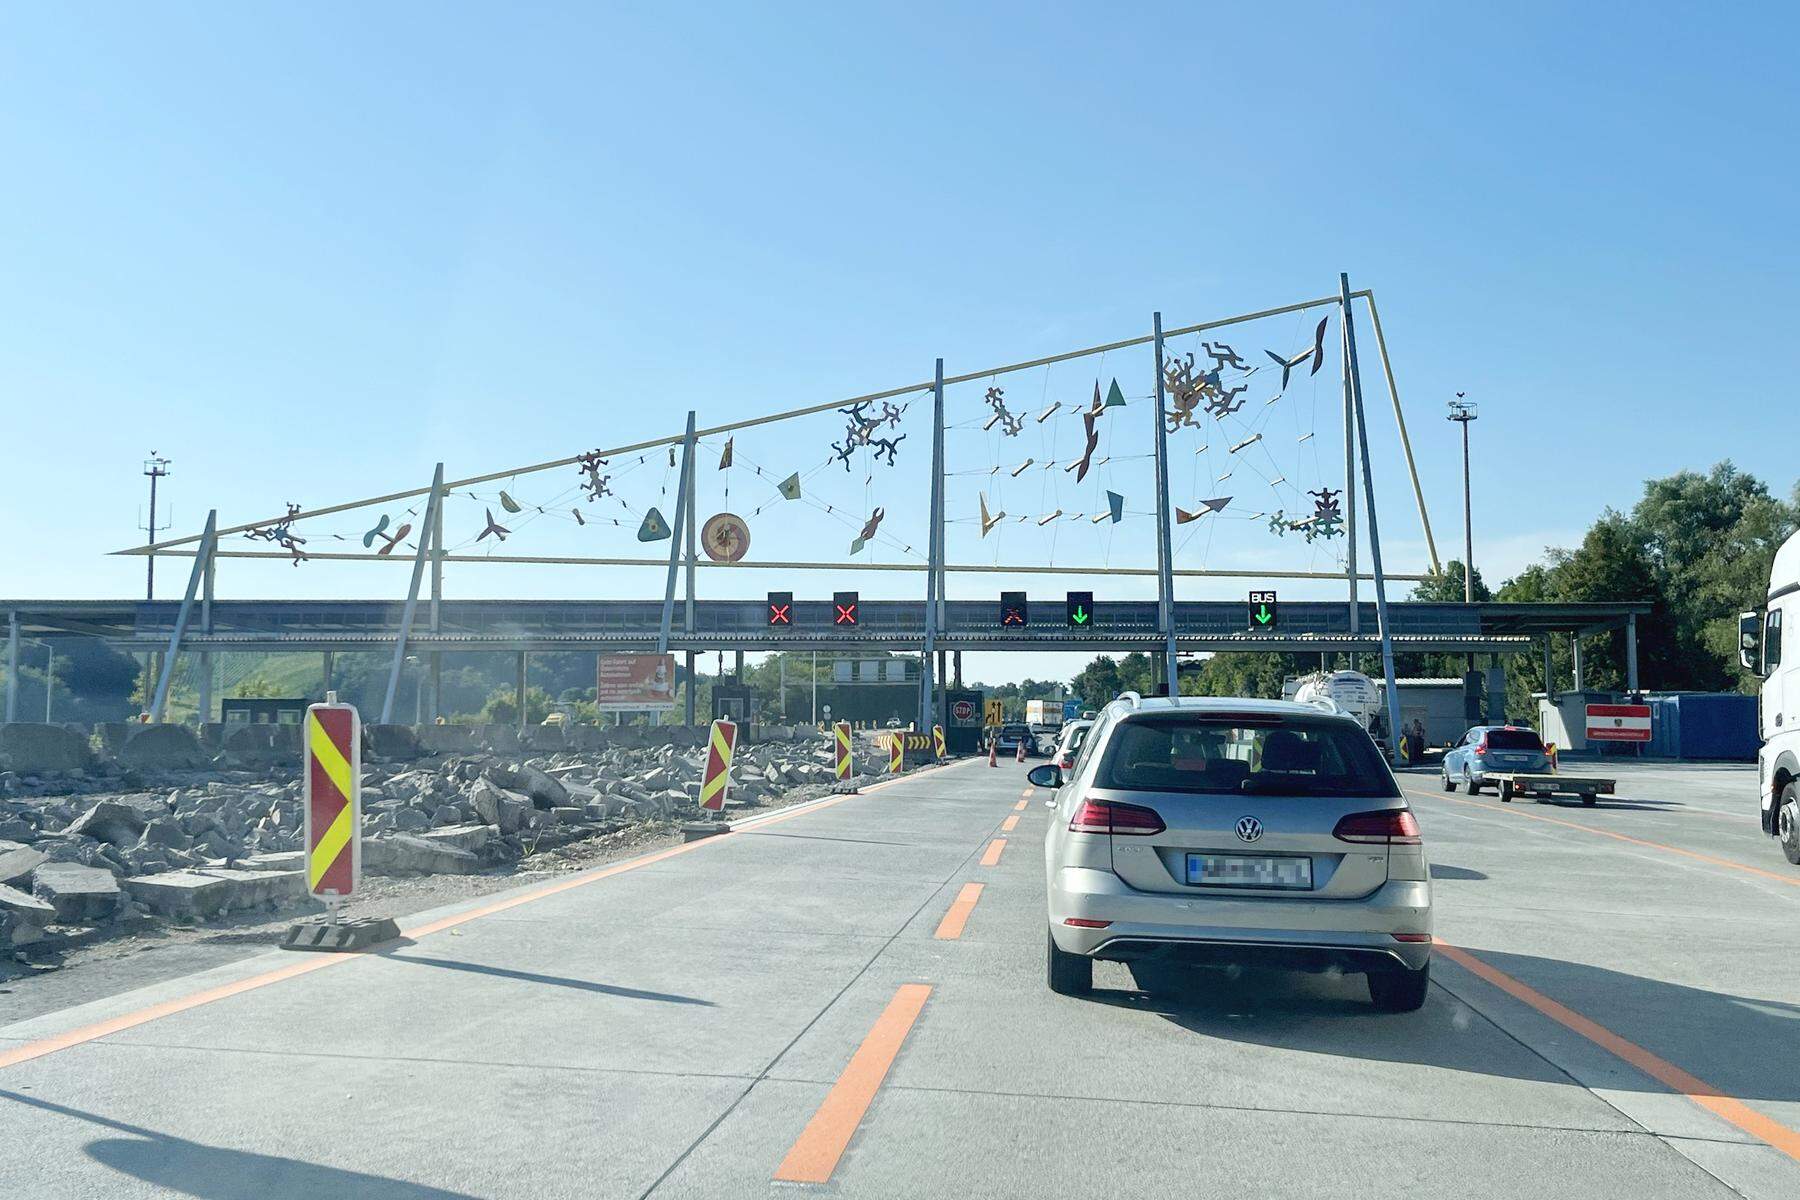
(1242,870)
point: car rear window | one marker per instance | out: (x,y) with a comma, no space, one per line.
(1513,739)
(1215,756)
(1014,731)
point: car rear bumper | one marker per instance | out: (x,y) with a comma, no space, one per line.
(1295,932)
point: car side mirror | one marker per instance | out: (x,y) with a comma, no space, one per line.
(1047,776)
(1750,626)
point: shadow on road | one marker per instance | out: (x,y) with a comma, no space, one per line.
(1441,871)
(1723,1039)
(584,985)
(195,1169)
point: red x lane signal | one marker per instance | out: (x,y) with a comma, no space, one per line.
(781,608)
(845,604)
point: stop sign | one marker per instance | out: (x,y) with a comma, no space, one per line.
(963,710)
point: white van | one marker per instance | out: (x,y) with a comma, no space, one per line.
(1778,716)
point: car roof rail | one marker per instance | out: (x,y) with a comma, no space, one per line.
(1136,700)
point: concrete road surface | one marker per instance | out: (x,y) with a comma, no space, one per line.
(848,1000)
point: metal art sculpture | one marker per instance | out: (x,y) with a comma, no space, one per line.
(654,528)
(509,504)
(725,455)
(790,487)
(725,537)
(1216,504)
(1220,405)
(390,541)
(282,534)
(494,529)
(1088,419)
(988,521)
(1326,521)
(1010,425)
(593,482)
(380,529)
(1186,389)
(1224,356)
(860,431)
(579,519)
(868,530)
(1115,504)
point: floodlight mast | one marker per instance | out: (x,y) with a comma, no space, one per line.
(1462,413)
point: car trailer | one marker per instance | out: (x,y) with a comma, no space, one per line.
(1509,784)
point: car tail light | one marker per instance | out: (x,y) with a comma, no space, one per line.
(1394,826)
(1065,762)
(1100,816)
(1085,923)
(1481,748)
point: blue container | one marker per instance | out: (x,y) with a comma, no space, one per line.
(1720,726)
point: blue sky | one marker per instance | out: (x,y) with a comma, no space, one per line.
(308,251)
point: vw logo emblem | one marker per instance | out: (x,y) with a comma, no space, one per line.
(1248,829)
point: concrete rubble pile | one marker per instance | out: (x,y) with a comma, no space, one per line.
(100,846)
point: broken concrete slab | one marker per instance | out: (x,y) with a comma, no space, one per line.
(162,747)
(31,749)
(278,860)
(112,822)
(80,895)
(407,854)
(205,893)
(17,862)
(399,742)
(25,917)
(463,837)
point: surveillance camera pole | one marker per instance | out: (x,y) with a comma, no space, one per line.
(155,468)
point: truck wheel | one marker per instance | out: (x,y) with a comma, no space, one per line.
(1068,974)
(1787,824)
(1506,791)
(1589,799)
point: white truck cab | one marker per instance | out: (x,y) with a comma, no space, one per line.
(1761,649)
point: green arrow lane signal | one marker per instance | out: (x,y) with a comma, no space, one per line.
(1262,610)
(1264,616)
(1080,609)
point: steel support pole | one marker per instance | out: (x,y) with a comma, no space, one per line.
(436,619)
(206,626)
(1549,672)
(692,687)
(1165,597)
(1631,661)
(693,505)
(1468,525)
(12,666)
(1381,608)
(209,540)
(1412,468)
(680,523)
(1580,666)
(928,660)
(815,687)
(50,681)
(1350,432)
(325,666)
(432,506)
(519,692)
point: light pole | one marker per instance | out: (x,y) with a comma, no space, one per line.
(1462,413)
(155,468)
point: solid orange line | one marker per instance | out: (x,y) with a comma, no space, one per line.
(995,849)
(1666,1073)
(100,1029)
(1020,806)
(1777,876)
(1011,823)
(815,1154)
(957,915)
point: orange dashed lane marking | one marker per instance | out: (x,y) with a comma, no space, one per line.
(1011,823)
(821,1144)
(1020,806)
(1789,879)
(1727,1108)
(957,915)
(99,1029)
(995,849)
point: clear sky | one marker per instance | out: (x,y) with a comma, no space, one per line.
(308,251)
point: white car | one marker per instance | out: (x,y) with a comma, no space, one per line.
(1235,831)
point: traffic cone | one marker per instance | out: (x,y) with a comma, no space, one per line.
(993,752)
(1021,749)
